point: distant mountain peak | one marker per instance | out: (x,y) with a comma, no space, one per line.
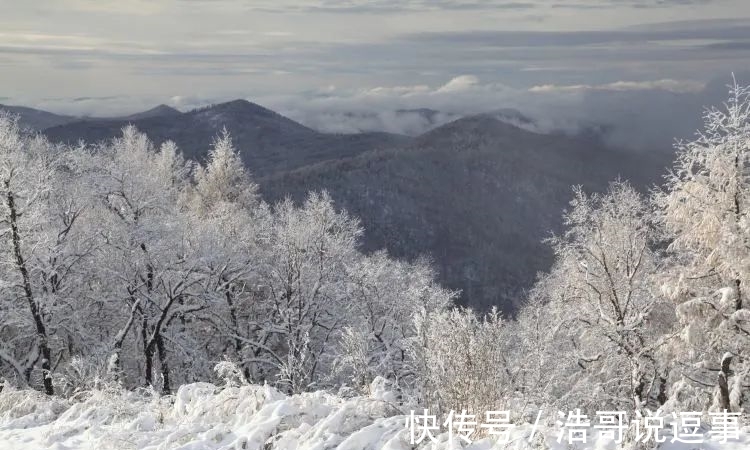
(239,102)
(165,109)
(485,123)
(157,111)
(240,113)
(240,106)
(37,119)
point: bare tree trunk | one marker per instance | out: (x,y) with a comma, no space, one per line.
(148,343)
(638,394)
(149,365)
(724,401)
(738,300)
(114,364)
(662,397)
(30,363)
(148,354)
(36,314)
(163,364)
(738,218)
(155,343)
(238,346)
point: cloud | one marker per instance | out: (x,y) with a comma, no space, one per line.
(636,114)
(730,45)
(394,6)
(112,7)
(379,6)
(406,122)
(669,85)
(460,83)
(397,109)
(643,114)
(716,30)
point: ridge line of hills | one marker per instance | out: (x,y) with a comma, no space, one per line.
(477,195)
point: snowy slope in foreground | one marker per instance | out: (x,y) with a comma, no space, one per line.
(204,417)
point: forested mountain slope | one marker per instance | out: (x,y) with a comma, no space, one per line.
(268,142)
(478,195)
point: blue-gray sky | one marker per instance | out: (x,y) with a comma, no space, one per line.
(306,57)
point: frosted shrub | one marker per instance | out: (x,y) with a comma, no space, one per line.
(84,374)
(461,361)
(231,373)
(27,404)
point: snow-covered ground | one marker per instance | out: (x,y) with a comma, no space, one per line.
(206,417)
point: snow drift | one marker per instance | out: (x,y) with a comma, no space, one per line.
(203,416)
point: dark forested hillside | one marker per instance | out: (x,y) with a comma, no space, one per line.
(36,119)
(478,195)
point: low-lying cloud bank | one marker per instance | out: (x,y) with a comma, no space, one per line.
(634,114)
(642,115)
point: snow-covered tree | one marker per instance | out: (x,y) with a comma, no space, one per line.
(146,254)
(385,296)
(44,247)
(25,175)
(705,210)
(608,320)
(231,223)
(126,261)
(224,180)
(304,276)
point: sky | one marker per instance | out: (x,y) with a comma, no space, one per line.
(317,59)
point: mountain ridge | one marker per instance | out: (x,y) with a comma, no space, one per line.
(477,195)
(156,111)
(267,141)
(37,119)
